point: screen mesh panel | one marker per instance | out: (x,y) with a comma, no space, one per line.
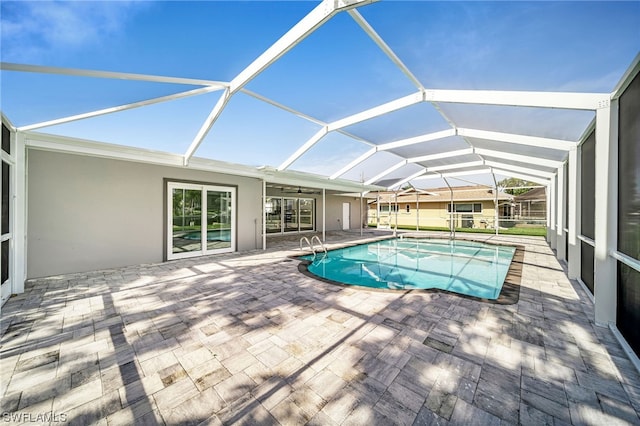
(628,312)
(586,265)
(588,201)
(629,171)
(628,307)
(6,139)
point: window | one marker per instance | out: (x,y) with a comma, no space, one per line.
(465,207)
(386,208)
(408,208)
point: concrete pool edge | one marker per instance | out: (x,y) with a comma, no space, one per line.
(509,294)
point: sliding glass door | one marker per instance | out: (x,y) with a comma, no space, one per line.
(289,214)
(306,214)
(273,213)
(201,220)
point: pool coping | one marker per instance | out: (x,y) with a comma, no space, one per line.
(509,294)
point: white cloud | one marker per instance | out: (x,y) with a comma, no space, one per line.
(33,30)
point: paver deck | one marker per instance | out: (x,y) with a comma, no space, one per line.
(246,338)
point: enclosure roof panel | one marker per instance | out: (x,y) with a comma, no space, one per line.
(376,92)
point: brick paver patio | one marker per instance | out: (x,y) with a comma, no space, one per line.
(247,339)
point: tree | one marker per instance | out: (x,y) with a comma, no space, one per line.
(516,186)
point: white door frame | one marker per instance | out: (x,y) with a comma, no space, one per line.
(7,287)
(203,235)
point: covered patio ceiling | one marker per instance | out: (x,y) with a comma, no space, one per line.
(390,109)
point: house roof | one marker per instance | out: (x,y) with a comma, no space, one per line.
(535,194)
(439,195)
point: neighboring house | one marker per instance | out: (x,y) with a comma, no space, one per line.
(473,207)
(532,205)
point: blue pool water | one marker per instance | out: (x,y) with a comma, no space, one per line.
(212,235)
(465,267)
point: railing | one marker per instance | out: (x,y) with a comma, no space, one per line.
(316,238)
(311,246)
(305,239)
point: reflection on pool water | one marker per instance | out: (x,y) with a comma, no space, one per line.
(212,235)
(465,267)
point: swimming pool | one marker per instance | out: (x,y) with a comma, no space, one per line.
(466,267)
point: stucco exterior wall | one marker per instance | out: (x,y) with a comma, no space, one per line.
(88,213)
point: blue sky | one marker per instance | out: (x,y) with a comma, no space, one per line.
(335,72)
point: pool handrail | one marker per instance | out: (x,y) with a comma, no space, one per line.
(315,237)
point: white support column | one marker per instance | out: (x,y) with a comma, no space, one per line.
(606,214)
(264,214)
(417,211)
(20,228)
(361,216)
(560,225)
(324,215)
(553,198)
(548,212)
(574,268)
(495,204)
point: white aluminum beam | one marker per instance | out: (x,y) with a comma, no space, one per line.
(384,47)
(302,115)
(518,139)
(560,222)
(206,126)
(19,262)
(408,178)
(386,172)
(431,176)
(535,179)
(119,108)
(354,163)
(527,159)
(455,166)
(627,78)
(264,214)
(417,139)
(307,25)
(561,100)
(312,21)
(606,214)
(283,107)
(553,213)
(304,148)
(6,66)
(574,266)
(518,169)
(377,111)
(479,171)
(426,158)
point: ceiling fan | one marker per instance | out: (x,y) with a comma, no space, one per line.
(299,191)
